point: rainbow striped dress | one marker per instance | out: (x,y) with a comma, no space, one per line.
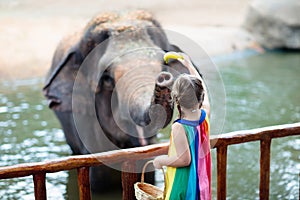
(194,181)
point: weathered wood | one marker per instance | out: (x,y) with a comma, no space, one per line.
(39,181)
(84,183)
(221,172)
(265,149)
(239,137)
(74,162)
(129,178)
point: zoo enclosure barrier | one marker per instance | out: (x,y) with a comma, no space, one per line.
(128,157)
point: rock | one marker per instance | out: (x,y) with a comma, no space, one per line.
(275,24)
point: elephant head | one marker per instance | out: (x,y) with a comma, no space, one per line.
(108,84)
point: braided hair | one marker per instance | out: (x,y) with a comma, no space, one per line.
(187,91)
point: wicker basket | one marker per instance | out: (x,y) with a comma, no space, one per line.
(146,191)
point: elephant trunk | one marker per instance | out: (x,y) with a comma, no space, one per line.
(159,112)
(162,94)
(144,104)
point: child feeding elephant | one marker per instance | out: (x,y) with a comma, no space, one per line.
(188,162)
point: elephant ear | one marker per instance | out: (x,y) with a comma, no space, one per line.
(157,35)
(78,45)
(65,51)
(67,59)
(60,79)
(175,64)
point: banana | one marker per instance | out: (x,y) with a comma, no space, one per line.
(172,55)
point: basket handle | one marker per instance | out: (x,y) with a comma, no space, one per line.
(143,172)
(144,169)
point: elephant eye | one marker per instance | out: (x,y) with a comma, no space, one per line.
(107,82)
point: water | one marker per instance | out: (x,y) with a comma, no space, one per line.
(261,90)
(29,132)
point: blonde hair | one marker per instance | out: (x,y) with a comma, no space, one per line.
(187,91)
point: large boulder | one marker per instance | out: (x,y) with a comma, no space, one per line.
(275,24)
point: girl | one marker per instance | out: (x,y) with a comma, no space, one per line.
(188,161)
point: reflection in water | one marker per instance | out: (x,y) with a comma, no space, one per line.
(261,90)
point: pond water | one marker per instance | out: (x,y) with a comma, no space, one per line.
(261,90)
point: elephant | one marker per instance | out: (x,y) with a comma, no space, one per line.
(109,87)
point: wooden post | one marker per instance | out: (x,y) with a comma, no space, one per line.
(129,178)
(221,172)
(39,181)
(265,148)
(84,183)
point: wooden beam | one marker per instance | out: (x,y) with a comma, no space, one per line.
(221,172)
(129,178)
(239,137)
(74,162)
(39,181)
(264,185)
(84,183)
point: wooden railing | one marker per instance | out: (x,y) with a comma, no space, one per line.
(265,136)
(128,157)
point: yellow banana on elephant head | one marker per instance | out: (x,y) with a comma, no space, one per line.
(172,55)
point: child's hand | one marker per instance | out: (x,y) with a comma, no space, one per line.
(157,164)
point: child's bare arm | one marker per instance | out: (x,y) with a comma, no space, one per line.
(183,157)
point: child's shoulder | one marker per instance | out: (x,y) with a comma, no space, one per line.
(177,127)
(176,123)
